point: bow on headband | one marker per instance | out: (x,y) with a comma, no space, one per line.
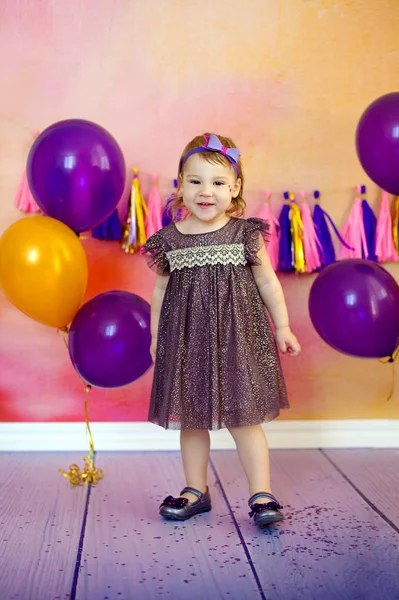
(213,144)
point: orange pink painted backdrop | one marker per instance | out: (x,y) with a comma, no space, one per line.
(286,79)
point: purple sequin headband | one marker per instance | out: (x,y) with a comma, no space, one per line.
(213,144)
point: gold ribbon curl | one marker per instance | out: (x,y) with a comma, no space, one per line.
(89,474)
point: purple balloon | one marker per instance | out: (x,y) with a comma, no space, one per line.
(377,142)
(354,307)
(109,339)
(76,173)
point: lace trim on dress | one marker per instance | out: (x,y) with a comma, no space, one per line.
(201,256)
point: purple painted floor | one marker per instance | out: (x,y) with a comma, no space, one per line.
(340,539)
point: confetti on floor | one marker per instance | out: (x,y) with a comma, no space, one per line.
(339,540)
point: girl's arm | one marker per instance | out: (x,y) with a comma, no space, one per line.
(272,296)
(157,297)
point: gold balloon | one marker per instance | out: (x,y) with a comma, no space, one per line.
(43,269)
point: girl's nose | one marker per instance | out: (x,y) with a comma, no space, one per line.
(206,190)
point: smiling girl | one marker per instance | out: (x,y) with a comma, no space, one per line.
(216,358)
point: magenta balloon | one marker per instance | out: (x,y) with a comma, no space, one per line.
(109,339)
(76,173)
(354,307)
(377,142)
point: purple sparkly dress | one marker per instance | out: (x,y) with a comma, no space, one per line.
(217,362)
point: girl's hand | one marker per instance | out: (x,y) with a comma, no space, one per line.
(287,341)
(153,349)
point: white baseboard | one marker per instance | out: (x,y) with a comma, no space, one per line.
(370,433)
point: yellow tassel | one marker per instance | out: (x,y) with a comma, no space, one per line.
(141,213)
(128,241)
(89,474)
(395,225)
(133,235)
(297,237)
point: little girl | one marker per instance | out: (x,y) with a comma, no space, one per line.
(216,359)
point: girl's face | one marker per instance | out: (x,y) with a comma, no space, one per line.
(208,188)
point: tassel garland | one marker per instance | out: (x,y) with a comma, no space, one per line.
(266,214)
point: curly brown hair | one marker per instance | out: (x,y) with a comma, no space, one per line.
(175,204)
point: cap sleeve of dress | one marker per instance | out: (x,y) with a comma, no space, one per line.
(253,229)
(154,251)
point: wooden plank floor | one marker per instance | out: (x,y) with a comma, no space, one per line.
(340,539)
(40,526)
(332,545)
(131,553)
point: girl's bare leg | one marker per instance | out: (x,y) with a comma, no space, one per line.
(195,447)
(253,452)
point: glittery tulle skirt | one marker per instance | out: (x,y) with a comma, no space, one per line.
(217,363)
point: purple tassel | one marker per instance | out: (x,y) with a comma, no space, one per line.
(110,229)
(167,211)
(326,251)
(370,227)
(285,258)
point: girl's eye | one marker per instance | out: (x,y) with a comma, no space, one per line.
(194,181)
(219,182)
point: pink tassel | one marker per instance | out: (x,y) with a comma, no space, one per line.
(24,200)
(153,221)
(353,232)
(273,245)
(311,243)
(384,246)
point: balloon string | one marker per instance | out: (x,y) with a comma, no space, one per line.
(392,381)
(391,360)
(89,474)
(65,331)
(91,443)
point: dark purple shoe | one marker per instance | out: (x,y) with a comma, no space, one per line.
(180,509)
(265,514)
